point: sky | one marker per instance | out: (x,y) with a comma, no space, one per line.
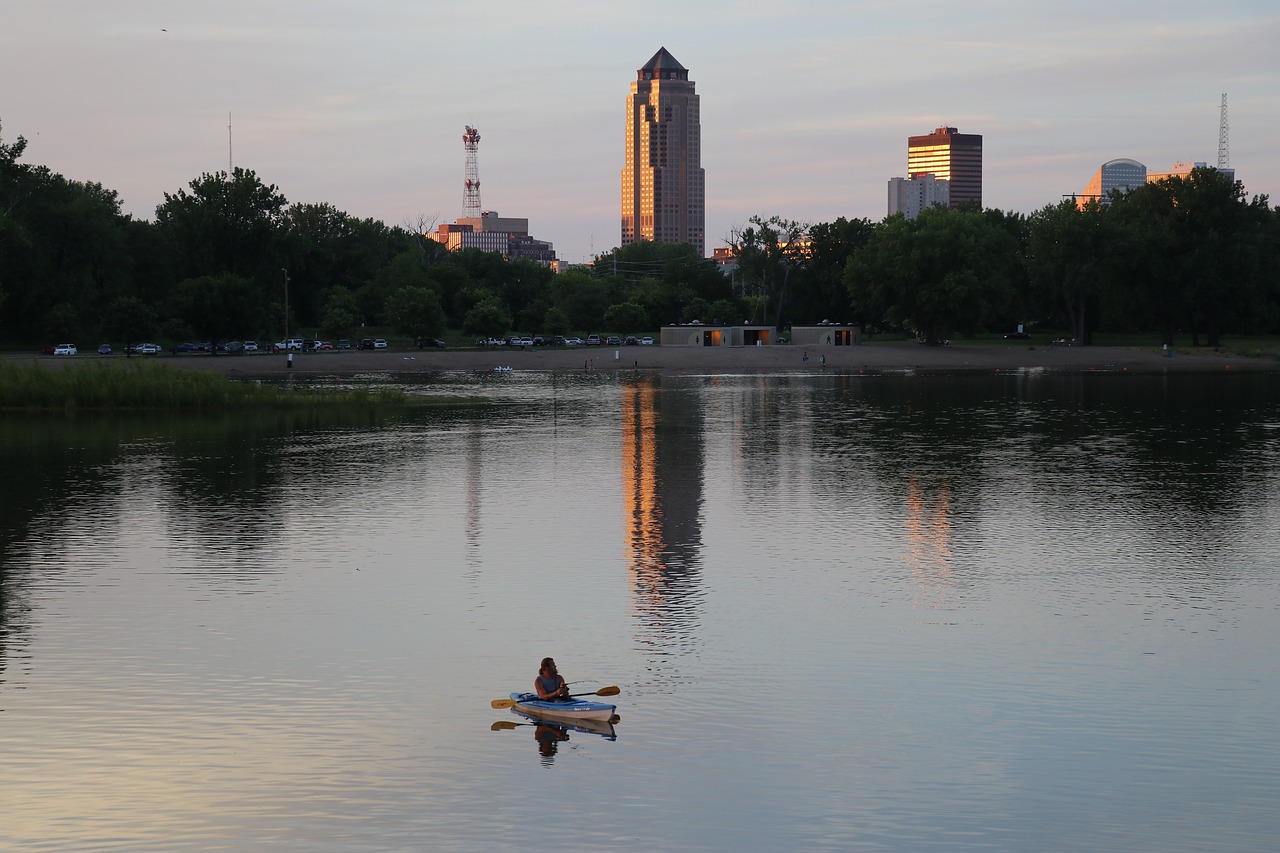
(806,107)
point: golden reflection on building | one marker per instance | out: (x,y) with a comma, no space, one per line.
(928,552)
(662,460)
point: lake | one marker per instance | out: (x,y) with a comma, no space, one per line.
(890,612)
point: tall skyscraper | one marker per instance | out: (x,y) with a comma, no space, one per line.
(662,181)
(949,156)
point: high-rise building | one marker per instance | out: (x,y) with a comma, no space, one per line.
(506,235)
(910,196)
(662,181)
(1121,174)
(952,157)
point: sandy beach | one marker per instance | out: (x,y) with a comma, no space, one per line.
(892,357)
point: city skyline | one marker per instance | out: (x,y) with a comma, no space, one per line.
(804,111)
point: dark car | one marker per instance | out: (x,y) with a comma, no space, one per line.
(104,349)
(365,343)
(344,344)
(426,343)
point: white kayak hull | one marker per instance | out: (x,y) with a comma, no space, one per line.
(572,709)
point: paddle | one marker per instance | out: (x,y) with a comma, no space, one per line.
(614,690)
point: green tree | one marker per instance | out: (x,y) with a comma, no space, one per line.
(416,311)
(556,322)
(218,307)
(940,273)
(818,290)
(340,314)
(626,317)
(769,251)
(1069,258)
(129,320)
(226,224)
(487,319)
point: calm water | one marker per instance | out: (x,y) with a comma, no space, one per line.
(898,613)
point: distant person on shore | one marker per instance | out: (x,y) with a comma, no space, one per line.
(549,683)
(805,357)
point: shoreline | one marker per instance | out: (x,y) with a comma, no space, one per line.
(771,359)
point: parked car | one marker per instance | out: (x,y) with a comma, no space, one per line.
(614,341)
(631,340)
(64,349)
(250,346)
(291,343)
(379,343)
(1017,336)
(365,343)
(523,342)
(593,340)
(344,344)
(147,349)
(319,345)
(232,346)
(573,342)
(104,349)
(646,341)
(185,348)
(425,343)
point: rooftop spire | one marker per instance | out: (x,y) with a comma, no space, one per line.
(662,66)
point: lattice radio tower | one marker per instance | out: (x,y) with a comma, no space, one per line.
(471,185)
(1224,152)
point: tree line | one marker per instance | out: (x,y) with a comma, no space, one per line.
(228,257)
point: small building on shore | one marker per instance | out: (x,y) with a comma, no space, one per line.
(697,334)
(827,335)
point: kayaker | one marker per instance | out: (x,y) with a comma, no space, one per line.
(549,683)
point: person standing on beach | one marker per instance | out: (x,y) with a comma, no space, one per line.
(805,357)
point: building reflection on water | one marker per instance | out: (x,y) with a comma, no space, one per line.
(928,543)
(662,495)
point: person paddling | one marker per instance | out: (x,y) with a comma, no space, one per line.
(549,683)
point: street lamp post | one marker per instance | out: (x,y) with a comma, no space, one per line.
(288,350)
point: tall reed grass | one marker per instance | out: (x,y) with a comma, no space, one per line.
(147,385)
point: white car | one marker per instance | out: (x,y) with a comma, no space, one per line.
(65,349)
(379,343)
(573,342)
(292,343)
(646,341)
(147,349)
(250,346)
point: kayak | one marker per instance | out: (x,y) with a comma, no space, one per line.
(604,728)
(569,709)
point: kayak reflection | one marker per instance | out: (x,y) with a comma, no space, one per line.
(550,733)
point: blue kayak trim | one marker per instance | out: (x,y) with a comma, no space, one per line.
(567,709)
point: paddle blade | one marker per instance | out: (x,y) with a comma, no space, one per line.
(503,725)
(608,691)
(499,704)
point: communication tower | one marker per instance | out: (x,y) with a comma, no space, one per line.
(1224,153)
(471,185)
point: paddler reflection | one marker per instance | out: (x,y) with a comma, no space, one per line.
(549,738)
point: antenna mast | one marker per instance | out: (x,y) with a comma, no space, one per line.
(1224,152)
(230,163)
(471,185)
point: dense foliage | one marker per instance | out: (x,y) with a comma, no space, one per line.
(230,257)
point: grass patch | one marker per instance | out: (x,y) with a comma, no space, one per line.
(101,386)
